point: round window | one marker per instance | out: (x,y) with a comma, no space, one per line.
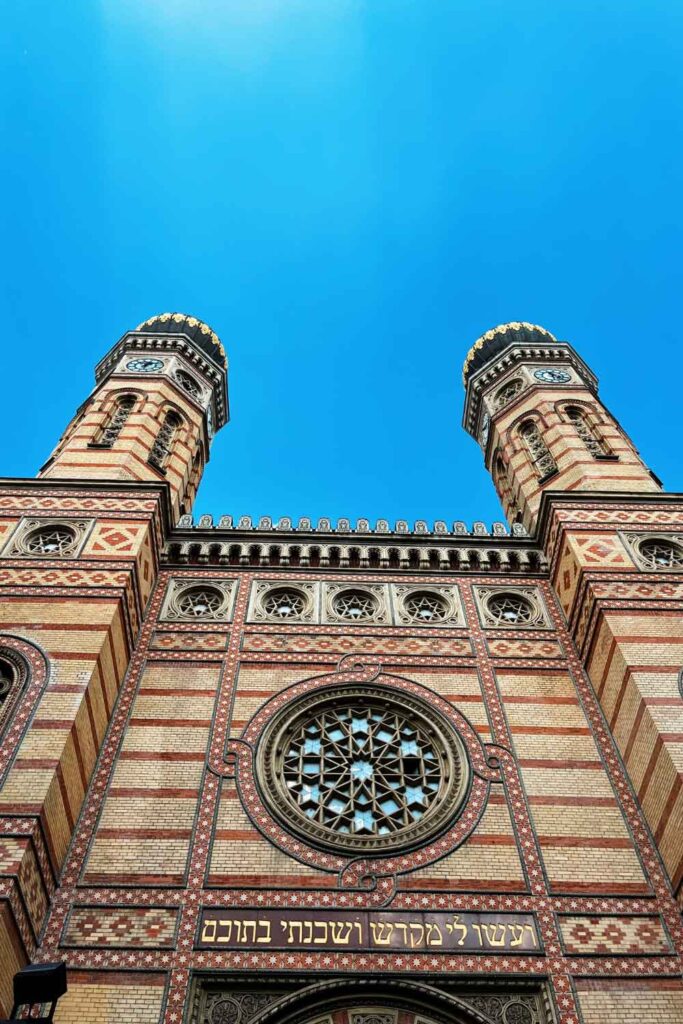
(200,602)
(354,605)
(362,768)
(284,603)
(510,609)
(50,540)
(660,553)
(422,606)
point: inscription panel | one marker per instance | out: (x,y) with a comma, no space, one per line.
(326,929)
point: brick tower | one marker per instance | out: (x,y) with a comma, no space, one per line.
(300,772)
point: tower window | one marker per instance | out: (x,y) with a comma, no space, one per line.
(163,442)
(188,383)
(538,450)
(51,541)
(585,431)
(660,553)
(114,425)
(508,391)
(14,675)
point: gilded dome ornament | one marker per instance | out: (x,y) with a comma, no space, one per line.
(195,329)
(498,337)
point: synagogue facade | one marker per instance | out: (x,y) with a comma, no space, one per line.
(267,772)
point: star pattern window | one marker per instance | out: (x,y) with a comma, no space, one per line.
(354,605)
(284,603)
(660,553)
(201,602)
(188,383)
(510,609)
(362,768)
(52,541)
(508,392)
(426,607)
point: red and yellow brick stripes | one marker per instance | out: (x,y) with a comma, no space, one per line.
(148,816)
(564,776)
(634,666)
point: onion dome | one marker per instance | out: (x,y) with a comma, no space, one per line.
(494,341)
(198,332)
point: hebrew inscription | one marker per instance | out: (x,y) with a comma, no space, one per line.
(321,929)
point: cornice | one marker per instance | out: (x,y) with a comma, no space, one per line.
(515,354)
(139,341)
(582,499)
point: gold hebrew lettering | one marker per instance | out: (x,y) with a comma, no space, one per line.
(433,929)
(477,929)
(223,923)
(308,934)
(532,932)
(246,925)
(457,926)
(414,943)
(290,926)
(494,938)
(320,940)
(264,938)
(518,934)
(403,928)
(381,933)
(341,932)
(209,930)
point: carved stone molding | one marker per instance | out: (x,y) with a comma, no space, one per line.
(283,601)
(356,602)
(427,606)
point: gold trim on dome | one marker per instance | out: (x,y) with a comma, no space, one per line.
(191,321)
(515,325)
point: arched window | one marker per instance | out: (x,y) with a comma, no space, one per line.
(538,450)
(577,417)
(508,391)
(163,442)
(117,418)
(13,677)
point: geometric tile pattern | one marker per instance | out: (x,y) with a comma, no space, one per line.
(324,643)
(123,927)
(638,936)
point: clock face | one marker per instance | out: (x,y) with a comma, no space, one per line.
(553,376)
(145,365)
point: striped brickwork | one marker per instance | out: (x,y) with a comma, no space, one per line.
(519,488)
(169,824)
(75,620)
(628,629)
(79,457)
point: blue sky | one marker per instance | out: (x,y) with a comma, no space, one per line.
(349,192)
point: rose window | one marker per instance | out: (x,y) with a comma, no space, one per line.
(284,604)
(200,602)
(660,553)
(354,605)
(50,540)
(510,609)
(362,768)
(426,607)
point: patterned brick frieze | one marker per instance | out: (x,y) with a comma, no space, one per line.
(623,936)
(125,927)
(409,646)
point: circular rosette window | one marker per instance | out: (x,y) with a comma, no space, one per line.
(362,769)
